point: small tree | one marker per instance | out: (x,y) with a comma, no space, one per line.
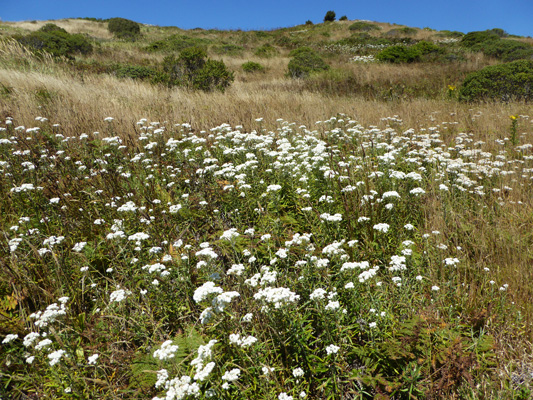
(330,16)
(343,18)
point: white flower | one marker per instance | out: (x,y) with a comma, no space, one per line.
(10,337)
(205,290)
(232,375)
(166,351)
(79,246)
(332,349)
(435,288)
(333,305)
(230,234)
(56,356)
(118,295)
(297,372)
(204,372)
(372,325)
(284,396)
(318,294)
(382,227)
(92,359)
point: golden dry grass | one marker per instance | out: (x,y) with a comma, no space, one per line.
(91,28)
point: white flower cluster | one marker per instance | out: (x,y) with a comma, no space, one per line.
(245,341)
(331,218)
(52,312)
(166,351)
(279,297)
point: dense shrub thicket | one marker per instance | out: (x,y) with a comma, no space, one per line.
(504,82)
(363,26)
(491,44)
(304,62)
(56,41)
(405,54)
(124,28)
(176,43)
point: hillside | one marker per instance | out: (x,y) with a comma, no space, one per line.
(339,210)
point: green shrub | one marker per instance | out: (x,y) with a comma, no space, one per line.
(476,40)
(134,72)
(505,82)
(508,50)
(193,69)
(229,49)
(300,50)
(52,28)
(212,76)
(56,42)
(251,66)
(363,26)
(490,43)
(266,51)
(305,63)
(343,18)
(176,43)
(124,28)
(404,54)
(330,16)
(309,22)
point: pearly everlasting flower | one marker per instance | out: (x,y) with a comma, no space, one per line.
(332,349)
(318,294)
(79,246)
(118,295)
(284,396)
(297,372)
(166,351)
(205,290)
(232,375)
(10,337)
(56,356)
(279,297)
(381,227)
(92,359)
(230,234)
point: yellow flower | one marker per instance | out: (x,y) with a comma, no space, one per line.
(513,117)
(451,87)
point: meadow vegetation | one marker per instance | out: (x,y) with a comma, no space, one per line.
(339,210)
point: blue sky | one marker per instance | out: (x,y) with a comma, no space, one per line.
(514,16)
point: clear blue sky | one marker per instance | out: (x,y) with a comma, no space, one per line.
(514,16)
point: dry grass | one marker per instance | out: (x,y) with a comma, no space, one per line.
(91,28)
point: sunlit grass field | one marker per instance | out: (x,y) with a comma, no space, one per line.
(275,241)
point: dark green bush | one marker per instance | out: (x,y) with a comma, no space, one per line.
(134,71)
(300,50)
(124,28)
(404,54)
(508,50)
(363,26)
(266,51)
(505,82)
(252,66)
(229,49)
(309,22)
(490,43)
(343,18)
(56,42)
(305,63)
(330,16)
(212,76)
(176,43)
(476,40)
(193,69)
(52,28)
